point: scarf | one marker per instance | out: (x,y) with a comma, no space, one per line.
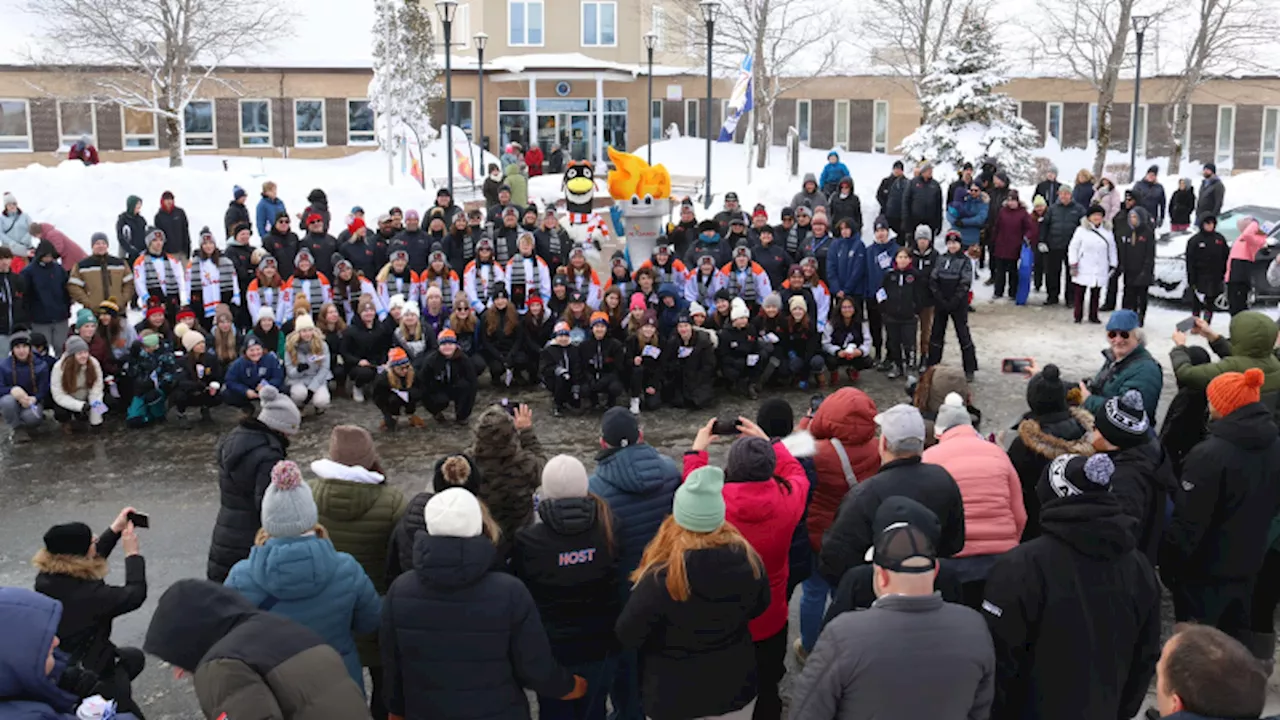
(218,283)
(793,241)
(315,291)
(742,283)
(483,279)
(666,273)
(399,284)
(157,272)
(702,289)
(442,282)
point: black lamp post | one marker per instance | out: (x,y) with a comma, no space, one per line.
(447,9)
(709,9)
(481,39)
(650,40)
(1140,23)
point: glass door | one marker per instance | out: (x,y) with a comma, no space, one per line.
(579,136)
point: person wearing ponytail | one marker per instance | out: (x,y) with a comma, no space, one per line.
(1213,549)
(698,586)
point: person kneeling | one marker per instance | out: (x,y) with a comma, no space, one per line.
(450,377)
(689,361)
(397,391)
(306,365)
(250,373)
(643,363)
(153,371)
(844,344)
(24,385)
(77,388)
(740,351)
(200,383)
(602,359)
(560,366)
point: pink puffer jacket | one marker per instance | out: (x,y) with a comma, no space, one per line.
(994,515)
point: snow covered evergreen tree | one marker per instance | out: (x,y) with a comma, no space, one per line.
(404,72)
(966,119)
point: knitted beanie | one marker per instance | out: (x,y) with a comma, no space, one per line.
(74,345)
(352,446)
(84,317)
(564,476)
(1069,475)
(453,513)
(773,300)
(288,508)
(69,539)
(775,417)
(455,471)
(191,339)
(751,459)
(1045,392)
(699,503)
(638,302)
(278,413)
(738,310)
(1231,391)
(1123,420)
(797,301)
(952,413)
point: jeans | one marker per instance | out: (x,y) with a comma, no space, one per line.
(589,706)
(16,416)
(813,606)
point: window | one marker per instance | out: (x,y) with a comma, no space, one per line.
(1140,146)
(197,123)
(841,133)
(691,124)
(460,116)
(599,24)
(308,123)
(15,126)
(139,130)
(1053,121)
(1226,135)
(1270,136)
(880,129)
(360,130)
(255,122)
(658,24)
(1093,121)
(655,120)
(804,115)
(524,18)
(76,120)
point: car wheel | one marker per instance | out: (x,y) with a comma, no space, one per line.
(1221,304)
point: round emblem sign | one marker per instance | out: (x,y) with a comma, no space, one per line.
(563,88)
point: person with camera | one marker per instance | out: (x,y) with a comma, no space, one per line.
(72,566)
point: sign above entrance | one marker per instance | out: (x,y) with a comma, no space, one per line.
(675,93)
(563,88)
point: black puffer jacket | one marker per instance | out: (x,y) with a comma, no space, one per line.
(1138,252)
(569,563)
(1207,254)
(1143,481)
(245,458)
(400,549)
(363,343)
(845,208)
(1039,440)
(1046,603)
(1224,503)
(460,641)
(283,246)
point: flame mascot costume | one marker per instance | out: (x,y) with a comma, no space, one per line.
(644,193)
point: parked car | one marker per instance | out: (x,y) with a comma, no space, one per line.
(1171,256)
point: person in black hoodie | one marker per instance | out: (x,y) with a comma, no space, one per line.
(1213,549)
(569,563)
(131,230)
(450,471)
(1138,262)
(773,259)
(173,221)
(1075,613)
(1182,204)
(237,212)
(364,348)
(1143,476)
(460,640)
(450,378)
(682,235)
(602,363)
(843,204)
(690,362)
(698,585)
(320,206)
(282,243)
(72,565)
(560,368)
(1206,261)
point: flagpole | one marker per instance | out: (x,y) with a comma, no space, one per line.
(751,128)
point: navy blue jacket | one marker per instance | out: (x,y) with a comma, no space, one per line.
(846,267)
(639,483)
(877,267)
(244,376)
(47,298)
(14,373)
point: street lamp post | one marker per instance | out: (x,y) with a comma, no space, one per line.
(650,40)
(709,9)
(447,9)
(1140,23)
(481,39)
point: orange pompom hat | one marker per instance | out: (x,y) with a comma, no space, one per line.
(1231,391)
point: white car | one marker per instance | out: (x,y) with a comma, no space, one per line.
(1171,256)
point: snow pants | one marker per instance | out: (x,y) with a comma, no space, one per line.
(960,318)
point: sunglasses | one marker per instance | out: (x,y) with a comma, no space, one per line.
(1122,334)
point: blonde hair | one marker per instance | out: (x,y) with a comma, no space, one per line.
(669,546)
(263,536)
(315,347)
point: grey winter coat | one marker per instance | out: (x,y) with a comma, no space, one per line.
(14,235)
(303,368)
(1212,192)
(813,200)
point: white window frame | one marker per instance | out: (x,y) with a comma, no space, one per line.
(63,143)
(461,27)
(1275,139)
(1048,118)
(691,129)
(240,124)
(880,147)
(658,26)
(582,23)
(212,136)
(126,136)
(662,120)
(542,8)
(1145,116)
(838,127)
(1229,159)
(372,133)
(9,138)
(324,125)
(805,131)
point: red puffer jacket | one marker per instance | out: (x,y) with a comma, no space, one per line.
(766,514)
(848,415)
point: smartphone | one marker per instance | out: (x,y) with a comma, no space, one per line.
(508,406)
(725,426)
(815,402)
(1015,365)
(139,520)
(1186,325)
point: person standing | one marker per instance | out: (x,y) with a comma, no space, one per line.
(1139,262)
(996,193)
(267,213)
(1239,275)
(172,221)
(15,226)
(100,276)
(1181,206)
(47,300)
(1205,673)
(949,285)
(236,213)
(1092,258)
(13,301)
(969,215)
(865,663)
(1012,230)
(1056,230)
(510,458)
(922,203)
(1143,474)
(886,186)
(1075,613)
(1206,260)
(131,230)
(1049,187)
(1212,192)
(1150,195)
(159,278)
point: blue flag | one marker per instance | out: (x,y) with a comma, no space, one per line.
(739,101)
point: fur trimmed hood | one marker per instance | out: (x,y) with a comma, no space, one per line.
(81,567)
(800,444)
(1050,446)
(331,470)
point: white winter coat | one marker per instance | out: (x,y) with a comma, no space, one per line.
(1091,255)
(13,233)
(83,397)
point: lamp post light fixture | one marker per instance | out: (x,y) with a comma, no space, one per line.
(447,9)
(709,9)
(1140,23)
(650,41)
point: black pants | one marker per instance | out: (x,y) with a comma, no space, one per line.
(564,391)
(1002,270)
(362,376)
(675,394)
(1093,302)
(1237,297)
(1055,269)
(640,380)
(461,395)
(1266,594)
(1113,289)
(1204,309)
(960,318)
(378,698)
(609,385)
(1135,299)
(802,369)
(183,399)
(901,341)
(392,406)
(116,683)
(1226,605)
(771,655)
(738,372)
(64,415)
(868,310)
(1037,269)
(835,362)
(972,592)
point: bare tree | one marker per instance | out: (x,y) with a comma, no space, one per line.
(790,41)
(1227,34)
(159,52)
(910,33)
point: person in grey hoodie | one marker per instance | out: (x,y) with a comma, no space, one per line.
(811,196)
(869,664)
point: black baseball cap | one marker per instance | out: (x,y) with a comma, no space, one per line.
(906,536)
(731,196)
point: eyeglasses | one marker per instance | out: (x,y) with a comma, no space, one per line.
(1122,334)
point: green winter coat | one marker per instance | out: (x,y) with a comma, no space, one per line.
(1252,345)
(1137,371)
(360,512)
(519,185)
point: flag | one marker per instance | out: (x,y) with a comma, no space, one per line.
(464,164)
(415,169)
(739,102)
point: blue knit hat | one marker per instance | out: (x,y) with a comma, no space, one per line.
(699,502)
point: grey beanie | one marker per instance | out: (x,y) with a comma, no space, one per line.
(751,459)
(278,413)
(773,300)
(924,232)
(953,413)
(288,507)
(74,345)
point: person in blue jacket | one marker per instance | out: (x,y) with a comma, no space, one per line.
(847,265)
(31,665)
(832,173)
(294,570)
(270,207)
(879,260)
(24,386)
(250,372)
(670,304)
(969,216)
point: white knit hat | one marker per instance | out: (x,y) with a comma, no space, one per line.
(738,310)
(953,413)
(453,513)
(564,476)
